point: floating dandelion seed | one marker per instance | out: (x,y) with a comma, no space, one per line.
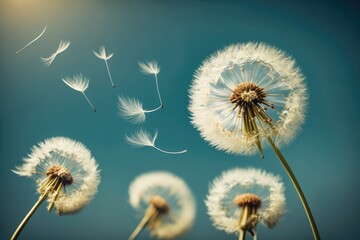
(152,68)
(144,139)
(132,109)
(62,47)
(66,174)
(80,84)
(169,204)
(102,55)
(240,198)
(230,97)
(43,31)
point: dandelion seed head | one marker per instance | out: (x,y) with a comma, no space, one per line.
(62,47)
(246,85)
(102,54)
(238,187)
(72,163)
(131,109)
(150,67)
(171,194)
(77,82)
(142,138)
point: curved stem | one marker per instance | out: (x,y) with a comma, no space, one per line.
(32,41)
(158,91)
(107,67)
(149,215)
(28,216)
(159,149)
(153,110)
(298,189)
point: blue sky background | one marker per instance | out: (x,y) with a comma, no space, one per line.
(35,104)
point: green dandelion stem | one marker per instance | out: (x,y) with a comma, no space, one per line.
(28,216)
(297,187)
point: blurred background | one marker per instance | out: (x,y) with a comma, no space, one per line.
(35,104)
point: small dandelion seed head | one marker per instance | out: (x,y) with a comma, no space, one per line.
(237,188)
(245,93)
(72,164)
(168,194)
(77,82)
(150,67)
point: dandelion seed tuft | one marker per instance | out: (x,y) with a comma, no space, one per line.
(62,47)
(255,193)
(166,203)
(102,55)
(150,67)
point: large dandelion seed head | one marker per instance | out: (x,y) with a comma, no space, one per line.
(72,164)
(235,188)
(171,196)
(246,92)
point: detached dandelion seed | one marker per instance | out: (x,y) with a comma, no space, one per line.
(62,47)
(43,31)
(132,109)
(144,139)
(249,94)
(166,202)
(240,198)
(102,55)
(80,84)
(66,175)
(152,68)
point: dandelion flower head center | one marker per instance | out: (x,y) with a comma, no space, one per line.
(247,93)
(60,172)
(160,204)
(247,199)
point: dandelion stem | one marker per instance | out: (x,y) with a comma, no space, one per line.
(243,219)
(153,110)
(159,149)
(88,101)
(28,216)
(31,41)
(297,187)
(107,67)
(150,214)
(158,91)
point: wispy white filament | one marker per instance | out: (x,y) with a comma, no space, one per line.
(102,55)
(79,83)
(132,109)
(43,31)
(152,67)
(144,139)
(215,116)
(225,214)
(62,47)
(75,157)
(177,194)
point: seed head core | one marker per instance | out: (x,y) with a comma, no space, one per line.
(159,203)
(247,199)
(247,93)
(60,172)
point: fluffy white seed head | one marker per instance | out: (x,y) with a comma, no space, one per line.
(220,200)
(149,67)
(77,82)
(102,54)
(131,109)
(62,47)
(72,156)
(142,138)
(178,196)
(280,85)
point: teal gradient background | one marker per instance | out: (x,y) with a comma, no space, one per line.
(35,104)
